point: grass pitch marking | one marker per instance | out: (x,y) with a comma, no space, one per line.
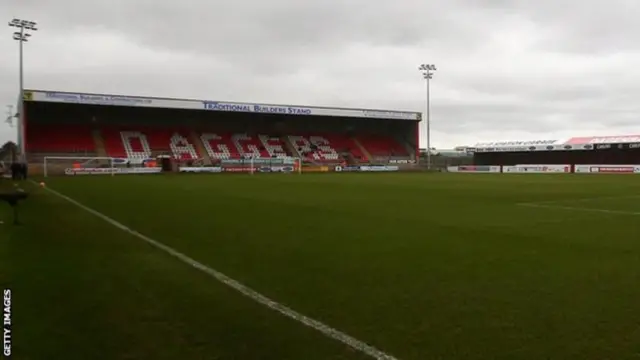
(244,290)
(548,202)
(576,208)
(557,204)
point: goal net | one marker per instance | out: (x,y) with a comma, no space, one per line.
(70,165)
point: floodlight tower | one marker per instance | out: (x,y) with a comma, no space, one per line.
(427,73)
(22,36)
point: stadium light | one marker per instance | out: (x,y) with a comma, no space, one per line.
(22,36)
(427,73)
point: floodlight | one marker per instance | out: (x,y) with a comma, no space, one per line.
(22,36)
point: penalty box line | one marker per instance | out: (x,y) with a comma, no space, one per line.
(324,329)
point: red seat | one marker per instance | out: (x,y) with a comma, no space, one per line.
(221,145)
(60,139)
(315,147)
(136,142)
(382,146)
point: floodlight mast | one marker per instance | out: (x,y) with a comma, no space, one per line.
(427,73)
(22,36)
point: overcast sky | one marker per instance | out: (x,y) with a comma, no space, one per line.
(507,69)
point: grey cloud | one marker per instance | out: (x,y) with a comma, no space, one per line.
(506,68)
(585,27)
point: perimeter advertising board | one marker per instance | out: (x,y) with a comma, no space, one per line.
(474,169)
(109,171)
(538,169)
(607,169)
(202,169)
(366,168)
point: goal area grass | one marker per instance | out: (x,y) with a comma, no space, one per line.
(420,266)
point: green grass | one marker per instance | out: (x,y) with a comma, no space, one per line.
(439,266)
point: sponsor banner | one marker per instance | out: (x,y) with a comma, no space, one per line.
(517,143)
(268,161)
(607,146)
(379,168)
(200,169)
(108,171)
(262,169)
(402,161)
(474,169)
(346,168)
(607,169)
(557,147)
(238,169)
(132,161)
(305,110)
(206,105)
(519,146)
(256,108)
(315,169)
(625,146)
(92,99)
(578,143)
(537,169)
(268,169)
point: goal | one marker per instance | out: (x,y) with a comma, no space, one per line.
(72,165)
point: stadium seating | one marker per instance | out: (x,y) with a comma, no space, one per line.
(345,144)
(136,145)
(182,148)
(236,146)
(250,146)
(60,139)
(382,146)
(142,143)
(219,146)
(314,148)
(145,142)
(274,146)
(327,147)
(114,145)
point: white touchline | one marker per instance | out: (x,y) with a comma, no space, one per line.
(244,290)
(573,208)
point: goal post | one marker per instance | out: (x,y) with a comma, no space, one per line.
(297,165)
(67,165)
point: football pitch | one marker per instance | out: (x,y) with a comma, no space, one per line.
(416,266)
